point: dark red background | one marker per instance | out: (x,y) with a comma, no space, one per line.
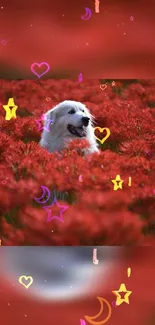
(97,47)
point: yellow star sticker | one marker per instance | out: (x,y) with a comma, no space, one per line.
(117,186)
(120,300)
(9,113)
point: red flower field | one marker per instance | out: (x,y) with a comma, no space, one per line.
(96,214)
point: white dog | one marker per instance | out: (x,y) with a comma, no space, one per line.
(70,120)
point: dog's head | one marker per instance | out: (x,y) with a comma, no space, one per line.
(70,118)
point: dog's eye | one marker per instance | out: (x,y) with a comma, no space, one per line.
(72,111)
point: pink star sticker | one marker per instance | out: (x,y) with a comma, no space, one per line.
(46,128)
(47,208)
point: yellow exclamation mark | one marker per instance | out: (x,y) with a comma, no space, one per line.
(129,272)
(97,3)
(129,184)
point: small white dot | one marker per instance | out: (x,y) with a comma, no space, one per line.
(124,33)
(70,286)
(62,266)
(31,25)
(45,281)
(8,304)
(2,7)
(25,315)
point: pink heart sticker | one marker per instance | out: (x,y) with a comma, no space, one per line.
(33,67)
(3,42)
(114,303)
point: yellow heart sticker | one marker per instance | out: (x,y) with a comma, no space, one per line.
(101,130)
(104,86)
(26,278)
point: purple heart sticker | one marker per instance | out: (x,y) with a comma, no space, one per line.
(39,65)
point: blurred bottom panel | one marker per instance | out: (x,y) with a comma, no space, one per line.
(60,285)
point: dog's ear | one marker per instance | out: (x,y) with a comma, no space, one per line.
(50,115)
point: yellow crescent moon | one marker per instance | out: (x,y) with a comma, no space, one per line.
(89,319)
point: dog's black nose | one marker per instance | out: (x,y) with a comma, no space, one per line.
(85,121)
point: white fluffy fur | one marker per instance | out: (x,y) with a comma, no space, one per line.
(59,136)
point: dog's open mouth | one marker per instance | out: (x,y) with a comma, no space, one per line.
(78,131)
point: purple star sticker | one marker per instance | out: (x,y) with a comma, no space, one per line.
(60,218)
(46,128)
